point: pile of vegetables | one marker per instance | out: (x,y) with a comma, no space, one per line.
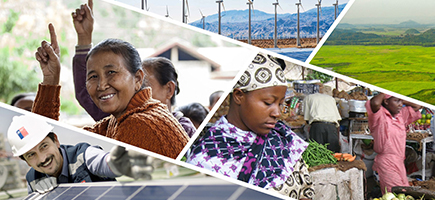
(392,196)
(318,154)
(344,157)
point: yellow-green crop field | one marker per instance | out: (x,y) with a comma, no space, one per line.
(407,70)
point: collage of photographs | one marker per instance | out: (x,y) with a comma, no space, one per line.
(137,99)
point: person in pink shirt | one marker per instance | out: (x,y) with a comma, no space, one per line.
(388,117)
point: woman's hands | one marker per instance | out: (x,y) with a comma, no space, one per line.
(83,20)
(48,56)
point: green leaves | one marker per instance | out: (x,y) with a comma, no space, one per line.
(15,77)
(12,20)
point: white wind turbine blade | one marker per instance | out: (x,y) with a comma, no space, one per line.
(301,6)
(188,9)
(320,6)
(279,5)
(252,3)
(200,12)
(223,6)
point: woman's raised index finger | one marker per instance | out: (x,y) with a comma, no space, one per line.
(91,4)
(53,37)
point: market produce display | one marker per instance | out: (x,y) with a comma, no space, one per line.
(318,154)
(344,157)
(423,123)
(356,95)
(392,196)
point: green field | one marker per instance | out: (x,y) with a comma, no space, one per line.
(407,70)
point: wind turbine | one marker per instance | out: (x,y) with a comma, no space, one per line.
(298,39)
(250,4)
(202,19)
(335,9)
(145,5)
(185,15)
(167,11)
(275,36)
(219,2)
(319,9)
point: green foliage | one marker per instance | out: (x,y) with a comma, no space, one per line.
(69,106)
(202,40)
(10,23)
(119,12)
(353,37)
(104,13)
(412,31)
(407,70)
(15,76)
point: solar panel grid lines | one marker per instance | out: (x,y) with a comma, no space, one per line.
(237,193)
(80,193)
(135,193)
(154,192)
(179,191)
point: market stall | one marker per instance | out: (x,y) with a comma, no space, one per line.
(354,125)
(343,179)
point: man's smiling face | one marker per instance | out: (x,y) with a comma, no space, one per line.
(46,157)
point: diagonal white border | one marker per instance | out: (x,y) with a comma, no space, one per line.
(330,30)
(224,38)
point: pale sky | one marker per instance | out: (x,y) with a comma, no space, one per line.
(390,12)
(210,7)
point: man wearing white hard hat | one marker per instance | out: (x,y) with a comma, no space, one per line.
(51,163)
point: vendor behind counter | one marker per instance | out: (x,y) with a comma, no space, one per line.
(321,112)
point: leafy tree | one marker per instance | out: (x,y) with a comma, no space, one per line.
(15,76)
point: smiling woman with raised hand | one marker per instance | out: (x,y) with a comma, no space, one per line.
(161,73)
(114,82)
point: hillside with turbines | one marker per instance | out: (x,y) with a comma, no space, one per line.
(235,23)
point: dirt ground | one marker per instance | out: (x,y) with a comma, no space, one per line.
(283,43)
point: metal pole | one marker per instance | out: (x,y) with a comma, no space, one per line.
(183,12)
(318,22)
(219,17)
(142,2)
(298,40)
(249,24)
(275,38)
(203,22)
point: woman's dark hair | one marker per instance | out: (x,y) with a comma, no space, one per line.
(164,71)
(119,47)
(194,111)
(20,96)
(50,135)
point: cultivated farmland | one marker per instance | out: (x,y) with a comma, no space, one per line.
(407,70)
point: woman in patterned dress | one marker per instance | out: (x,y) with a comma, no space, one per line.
(249,143)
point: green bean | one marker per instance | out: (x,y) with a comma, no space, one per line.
(318,154)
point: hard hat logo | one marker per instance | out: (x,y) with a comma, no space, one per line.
(25,132)
(22,132)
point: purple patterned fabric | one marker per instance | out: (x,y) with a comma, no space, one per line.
(265,161)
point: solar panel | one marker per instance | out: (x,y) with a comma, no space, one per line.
(152,190)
